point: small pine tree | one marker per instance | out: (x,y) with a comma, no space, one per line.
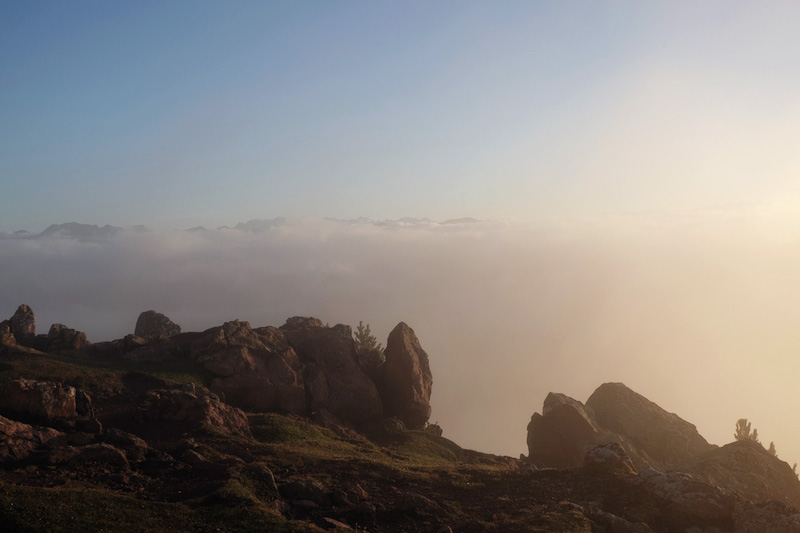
(365,339)
(743,431)
(772,449)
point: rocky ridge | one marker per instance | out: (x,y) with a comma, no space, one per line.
(241,428)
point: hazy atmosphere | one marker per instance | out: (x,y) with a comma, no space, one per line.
(594,192)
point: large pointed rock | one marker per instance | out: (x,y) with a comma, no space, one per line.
(649,435)
(406,379)
(663,436)
(256,369)
(333,379)
(23,325)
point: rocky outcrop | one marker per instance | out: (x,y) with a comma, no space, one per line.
(746,468)
(406,378)
(193,410)
(333,379)
(18,440)
(60,337)
(652,437)
(23,325)
(255,368)
(686,495)
(153,324)
(38,400)
(662,437)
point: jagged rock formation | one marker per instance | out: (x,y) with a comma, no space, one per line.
(406,378)
(651,436)
(746,468)
(255,368)
(303,368)
(193,410)
(334,381)
(153,324)
(60,337)
(20,330)
(739,487)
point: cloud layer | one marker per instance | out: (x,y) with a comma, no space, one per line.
(698,312)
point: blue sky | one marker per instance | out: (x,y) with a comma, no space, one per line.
(176,114)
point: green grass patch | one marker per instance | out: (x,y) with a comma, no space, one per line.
(36,509)
(96,375)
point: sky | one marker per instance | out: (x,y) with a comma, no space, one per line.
(634,167)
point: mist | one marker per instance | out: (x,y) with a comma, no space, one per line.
(697,311)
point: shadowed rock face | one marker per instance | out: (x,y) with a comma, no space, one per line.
(18,440)
(746,468)
(23,325)
(333,379)
(153,324)
(651,436)
(561,436)
(193,411)
(664,437)
(406,378)
(60,337)
(42,400)
(256,368)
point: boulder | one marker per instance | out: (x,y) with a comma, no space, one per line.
(662,436)
(333,379)
(649,435)
(256,369)
(42,400)
(23,325)
(562,435)
(746,468)
(406,378)
(153,324)
(189,412)
(60,337)
(18,440)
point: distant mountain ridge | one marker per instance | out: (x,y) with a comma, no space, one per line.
(94,232)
